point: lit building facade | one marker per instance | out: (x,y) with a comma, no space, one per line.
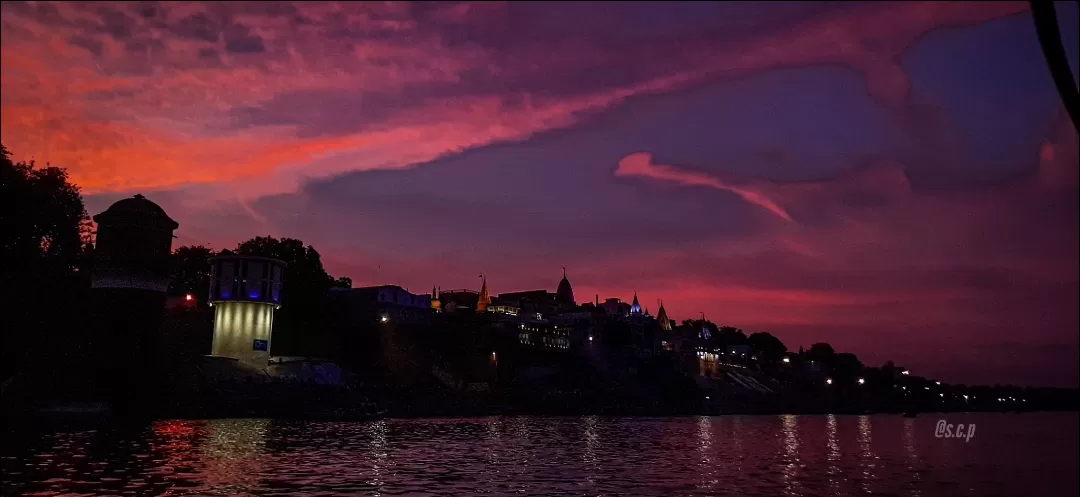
(244,292)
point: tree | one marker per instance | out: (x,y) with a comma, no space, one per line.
(343,282)
(45,233)
(42,254)
(770,347)
(301,326)
(730,335)
(305,278)
(847,365)
(822,352)
(191,271)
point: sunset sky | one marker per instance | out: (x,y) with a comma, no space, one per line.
(897,179)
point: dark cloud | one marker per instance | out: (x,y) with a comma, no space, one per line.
(209,54)
(116,23)
(238,39)
(93,46)
(198,26)
(148,10)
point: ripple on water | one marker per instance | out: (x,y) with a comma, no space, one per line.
(694,456)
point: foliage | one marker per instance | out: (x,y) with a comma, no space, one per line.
(301,326)
(191,271)
(821,352)
(769,347)
(45,232)
(42,249)
(342,282)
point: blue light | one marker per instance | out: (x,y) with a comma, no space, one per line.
(225,294)
(254,295)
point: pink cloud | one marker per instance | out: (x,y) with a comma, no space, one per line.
(641,164)
(149,111)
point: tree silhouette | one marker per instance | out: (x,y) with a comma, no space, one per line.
(46,230)
(822,352)
(770,347)
(41,250)
(191,271)
(300,327)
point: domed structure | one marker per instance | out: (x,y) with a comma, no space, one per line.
(131,273)
(133,246)
(564,294)
(136,211)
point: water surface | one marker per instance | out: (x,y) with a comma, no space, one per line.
(1027,455)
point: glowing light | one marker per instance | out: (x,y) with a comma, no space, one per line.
(862,381)
(937,383)
(189,297)
(384,319)
(590,338)
(905,372)
(787,360)
(828,381)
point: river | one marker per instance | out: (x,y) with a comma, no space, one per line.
(1028,455)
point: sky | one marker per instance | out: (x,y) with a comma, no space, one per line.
(896,179)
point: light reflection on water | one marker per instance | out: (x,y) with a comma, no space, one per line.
(1013,454)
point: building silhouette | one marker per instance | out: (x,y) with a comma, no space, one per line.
(130,275)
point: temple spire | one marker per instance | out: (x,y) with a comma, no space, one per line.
(661,317)
(635,308)
(485,298)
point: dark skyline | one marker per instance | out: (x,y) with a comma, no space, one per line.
(896,179)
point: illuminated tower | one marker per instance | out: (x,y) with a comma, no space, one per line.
(485,298)
(635,308)
(130,275)
(435,304)
(244,291)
